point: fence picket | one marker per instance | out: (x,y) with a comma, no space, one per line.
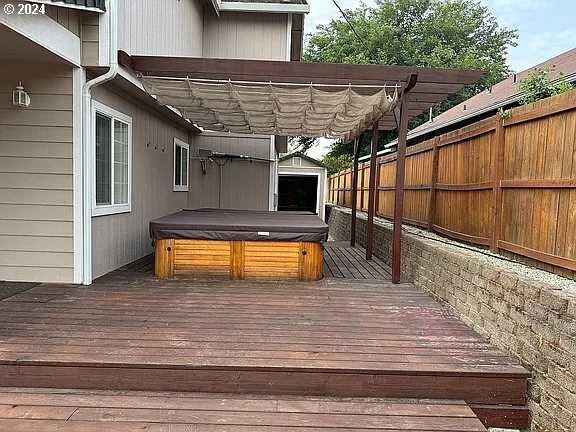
(508,183)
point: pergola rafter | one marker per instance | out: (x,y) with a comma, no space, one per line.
(418,90)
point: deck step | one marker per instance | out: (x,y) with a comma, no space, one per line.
(333,338)
(60,410)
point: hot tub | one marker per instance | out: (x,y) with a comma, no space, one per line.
(239,244)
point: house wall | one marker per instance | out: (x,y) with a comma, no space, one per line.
(245,185)
(85,25)
(161,27)
(246,36)
(120,239)
(66,17)
(36,214)
(89,38)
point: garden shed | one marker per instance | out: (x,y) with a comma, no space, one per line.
(302,182)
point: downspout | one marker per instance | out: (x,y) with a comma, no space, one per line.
(87,150)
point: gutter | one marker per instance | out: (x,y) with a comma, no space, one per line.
(388,148)
(87,185)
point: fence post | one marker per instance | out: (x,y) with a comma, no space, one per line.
(377,187)
(497,173)
(362,187)
(433,182)
(340,193)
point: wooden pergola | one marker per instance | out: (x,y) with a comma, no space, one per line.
(419,89)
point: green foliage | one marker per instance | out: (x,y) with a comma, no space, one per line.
(537,85)
(341,147)
(301,144)
(460,34)
(336,164)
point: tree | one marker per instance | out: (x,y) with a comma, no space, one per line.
(335,164)
(427,33)
(301,144)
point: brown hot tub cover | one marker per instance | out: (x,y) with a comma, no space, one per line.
(224,224)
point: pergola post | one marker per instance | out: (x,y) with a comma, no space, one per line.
(354,192)
(400,177)
(372,194)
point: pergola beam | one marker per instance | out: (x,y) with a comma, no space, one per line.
(400,178)
(433,85)
(296,72)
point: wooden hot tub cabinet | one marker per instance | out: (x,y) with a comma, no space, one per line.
(239,259)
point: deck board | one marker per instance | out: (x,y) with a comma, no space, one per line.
(38,410)
(343,261)
(350,335)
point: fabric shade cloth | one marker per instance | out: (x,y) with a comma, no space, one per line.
(274,108)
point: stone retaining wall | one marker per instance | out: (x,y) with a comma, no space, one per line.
(527,312)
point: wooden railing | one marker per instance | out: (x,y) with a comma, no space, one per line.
(505,182)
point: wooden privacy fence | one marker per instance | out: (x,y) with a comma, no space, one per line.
(506,182)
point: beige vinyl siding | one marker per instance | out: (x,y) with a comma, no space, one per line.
(245,185)
(36,228)
(246,36)
(66,17)
(161,27)
(122,238)
(89,38)
(85,25)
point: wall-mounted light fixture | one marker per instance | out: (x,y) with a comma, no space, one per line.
(20,98)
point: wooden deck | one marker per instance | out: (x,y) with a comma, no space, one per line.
(38,410)
(339,337)
(343,261)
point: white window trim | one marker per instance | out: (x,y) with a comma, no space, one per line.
(175,187)
(103,210)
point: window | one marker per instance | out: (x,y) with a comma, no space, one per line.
(181,155)
(113,160)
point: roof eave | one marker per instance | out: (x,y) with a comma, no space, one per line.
(263,7)
(69,6)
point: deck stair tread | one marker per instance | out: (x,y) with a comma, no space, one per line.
(65,410)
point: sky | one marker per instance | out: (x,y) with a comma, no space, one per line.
(545,27)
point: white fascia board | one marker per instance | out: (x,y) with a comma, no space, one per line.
(68,6)
(45,32)
(216,5)
(264,7)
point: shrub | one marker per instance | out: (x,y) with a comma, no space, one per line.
(537,85)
